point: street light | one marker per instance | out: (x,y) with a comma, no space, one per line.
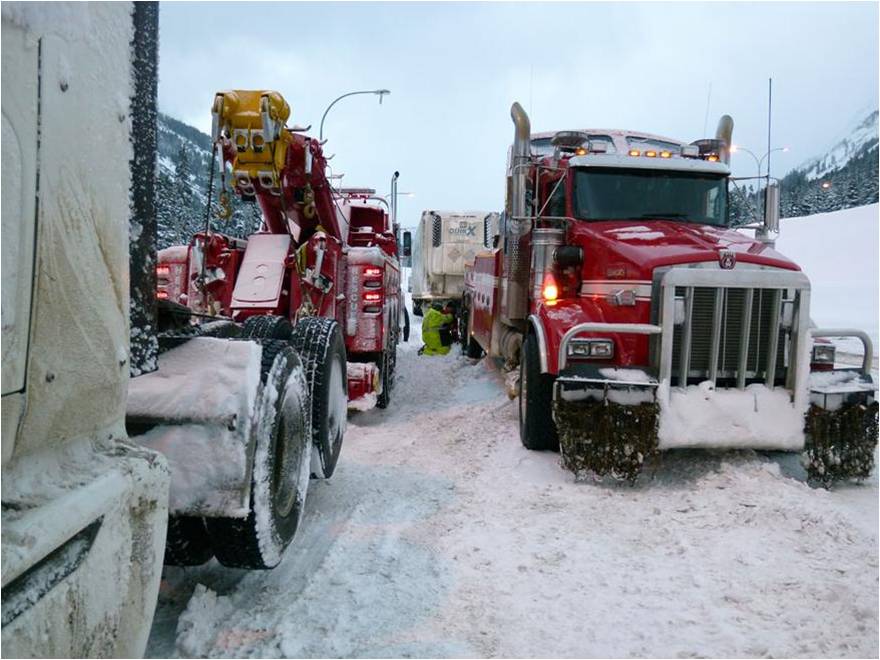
(379,92)
(734,148)
(759,162)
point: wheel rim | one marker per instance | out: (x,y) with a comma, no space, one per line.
(337,409)
(288,454)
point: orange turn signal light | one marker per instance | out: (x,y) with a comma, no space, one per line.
(550,291)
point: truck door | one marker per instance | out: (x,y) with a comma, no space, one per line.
(20,90)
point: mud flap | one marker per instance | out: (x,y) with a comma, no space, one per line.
(604,437)
(840,443)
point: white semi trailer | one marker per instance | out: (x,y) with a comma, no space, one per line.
(444,242)
(84,510)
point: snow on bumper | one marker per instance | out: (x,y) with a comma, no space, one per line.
(197,410)
(363,385)
(83,541)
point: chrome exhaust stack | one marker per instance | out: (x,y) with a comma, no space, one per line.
(724,132)
(515,304)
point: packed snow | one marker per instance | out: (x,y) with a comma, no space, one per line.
(440,535)
(756,417)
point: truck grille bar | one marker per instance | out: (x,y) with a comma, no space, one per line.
(733,328)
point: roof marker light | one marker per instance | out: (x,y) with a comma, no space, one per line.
(651,153)
(713,158)
(635,152)
(665,154)
(580,151)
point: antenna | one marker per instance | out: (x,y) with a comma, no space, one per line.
(769,116)
(531,77)
(769,149)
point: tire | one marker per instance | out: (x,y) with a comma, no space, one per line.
(267,327)
(469,346)
(280,477)
(537,430)
(321,347)
(220,329)
(462,321)
(405,324)
(187,542)
(389,363)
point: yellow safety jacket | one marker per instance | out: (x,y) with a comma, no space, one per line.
(431,324)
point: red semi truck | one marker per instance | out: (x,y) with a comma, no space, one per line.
(641,320)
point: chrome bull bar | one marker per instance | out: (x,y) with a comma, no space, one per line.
(688,278)
(868,346)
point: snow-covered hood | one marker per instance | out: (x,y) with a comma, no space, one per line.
(642,246)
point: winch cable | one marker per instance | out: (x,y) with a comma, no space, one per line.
(203,274)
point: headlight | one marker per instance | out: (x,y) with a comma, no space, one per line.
(591,348)
(823,354)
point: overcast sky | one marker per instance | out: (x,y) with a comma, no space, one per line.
(454,70)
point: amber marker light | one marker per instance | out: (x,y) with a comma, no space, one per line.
(635,152)
(651,154)
(665,154)
(550,291)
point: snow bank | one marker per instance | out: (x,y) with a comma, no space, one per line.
(839,253)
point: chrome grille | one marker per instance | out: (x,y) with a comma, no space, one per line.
(731,336)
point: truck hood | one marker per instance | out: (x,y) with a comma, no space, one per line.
(644,245)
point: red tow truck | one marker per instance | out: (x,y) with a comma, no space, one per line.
(641,320)
(321,252)
(264,342)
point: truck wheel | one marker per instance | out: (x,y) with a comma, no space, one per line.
(321,347)
(537,430)
(267,327)
(280,478)
(187,542)
(389,363)
(473,349)
(405,324)
(470,347)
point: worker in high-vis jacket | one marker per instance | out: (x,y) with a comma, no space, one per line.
(436,332)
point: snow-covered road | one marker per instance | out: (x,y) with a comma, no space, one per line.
(439,535)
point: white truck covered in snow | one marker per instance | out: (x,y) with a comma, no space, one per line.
(445,241)
(84,510)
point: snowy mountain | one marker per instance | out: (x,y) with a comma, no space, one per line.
(182,179)
(860,140)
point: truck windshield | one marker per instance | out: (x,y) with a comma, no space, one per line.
(617,194)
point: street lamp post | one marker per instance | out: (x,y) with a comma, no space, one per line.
(379,92)
(758,161)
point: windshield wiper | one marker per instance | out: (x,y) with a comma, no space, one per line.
(664,215)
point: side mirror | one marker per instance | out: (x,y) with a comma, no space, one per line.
(769,232)
(771,209)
